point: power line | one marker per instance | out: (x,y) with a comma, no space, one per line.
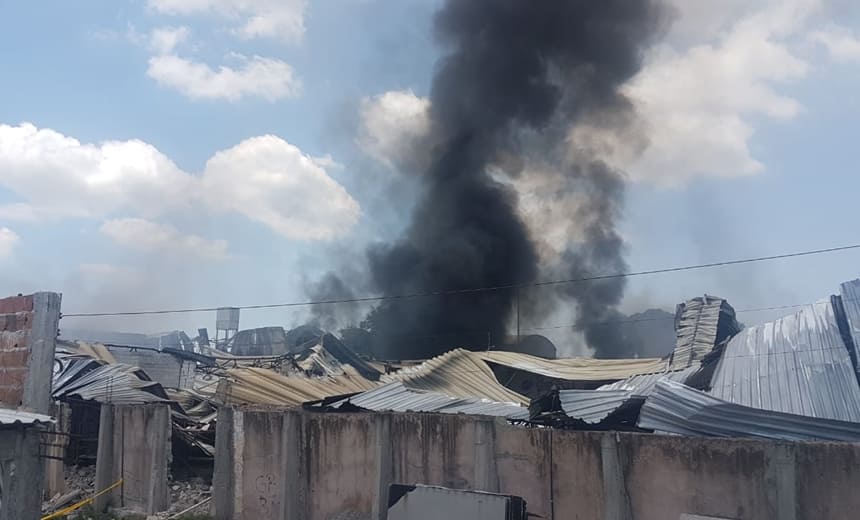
(671,318)
(368,299)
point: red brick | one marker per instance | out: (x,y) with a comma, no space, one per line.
(11,397)
(13,377)
(14,359)
(16,304)
(16,321)
(13,340)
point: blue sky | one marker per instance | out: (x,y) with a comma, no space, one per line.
(752,150)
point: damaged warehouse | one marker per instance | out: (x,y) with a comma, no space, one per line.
(472,244)
(330,431)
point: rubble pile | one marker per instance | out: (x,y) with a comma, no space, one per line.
(184,494)
(189,493)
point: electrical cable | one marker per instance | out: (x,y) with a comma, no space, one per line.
(478,289)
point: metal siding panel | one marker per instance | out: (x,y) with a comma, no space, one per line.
(396,397)
(675,408)
(592,406)
(797,364)
(10,417)
(642,385)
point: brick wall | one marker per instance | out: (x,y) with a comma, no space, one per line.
(28,336)
(16,321)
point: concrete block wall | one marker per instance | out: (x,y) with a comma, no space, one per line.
(303,465)
(134,445)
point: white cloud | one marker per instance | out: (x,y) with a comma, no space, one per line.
(59,176)
(273,182)
(700,95)
(278,19)
(267,78)
(8,242)
(266,179)
(163,40)
(840,43)
(392,126)
(151,237)
(697,102)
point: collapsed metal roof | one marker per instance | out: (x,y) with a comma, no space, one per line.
(396,397)
(106,383)
(263,386)
(592,406)
(575,369)
(797,364)
(458,373)
(643,384)
(464,373)
(700,324)
(676,408)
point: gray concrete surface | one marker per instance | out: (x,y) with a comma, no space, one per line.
(304,465)
(20,476)
(56,440)
(134,445)
(43,341)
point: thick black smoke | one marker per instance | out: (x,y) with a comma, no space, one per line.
(518,75)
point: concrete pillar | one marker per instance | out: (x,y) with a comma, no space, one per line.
(382,448)
(295,491)
(57,441)
(781,480)
(224,480)
(616,502)
(140,455)
(486,474)
(20,477)
(43,341)
(105,463)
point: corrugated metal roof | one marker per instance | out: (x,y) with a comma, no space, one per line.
(116,383)
(593,406)
(458,373)
(396,397)
(675,408)
(797,364)
(575,369)
(851,304)
(10,417)
(463,373)
(642,385)
(263,386)
(701,323)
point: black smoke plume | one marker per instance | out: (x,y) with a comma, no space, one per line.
(516,77)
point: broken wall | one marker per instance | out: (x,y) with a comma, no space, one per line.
(134,446)
(28,335)
(303,465)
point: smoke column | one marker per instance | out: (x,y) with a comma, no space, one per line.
(517,76)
